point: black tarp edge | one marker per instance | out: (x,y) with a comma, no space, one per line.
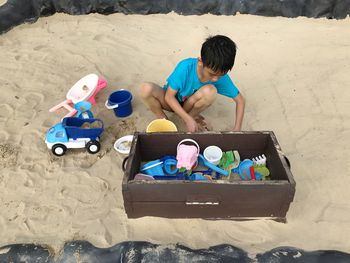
(83,251)
(16,12)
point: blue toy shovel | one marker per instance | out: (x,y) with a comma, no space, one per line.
(204,162)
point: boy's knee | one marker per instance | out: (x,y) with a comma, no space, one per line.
(209,93)
(145,90)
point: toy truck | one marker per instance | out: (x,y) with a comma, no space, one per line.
(75,133)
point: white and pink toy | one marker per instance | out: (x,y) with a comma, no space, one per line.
(84,90)
(187,155)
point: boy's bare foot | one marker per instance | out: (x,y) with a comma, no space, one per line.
(203,124)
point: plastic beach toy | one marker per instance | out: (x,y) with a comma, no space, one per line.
(187,155)
(74,133)
(146,177)
(84,90)
(120,102)
(262,170)
(244,169)
(161,125)
(227,159)
(143,177)
(123,144)
(153,168)
(169,165)
(237,159)
(199,177)
(213,154)
(165,166)
(204,162)
(260,160)
(83,110)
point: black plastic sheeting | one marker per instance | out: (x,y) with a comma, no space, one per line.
(82,251)
(15,12)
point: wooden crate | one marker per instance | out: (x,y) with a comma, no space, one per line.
(239,200)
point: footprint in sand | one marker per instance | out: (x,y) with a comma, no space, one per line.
(33,142)
(8,155)
(29,109)
(100,37)
(39,47)
(83,159)
(5,111)
(4,135)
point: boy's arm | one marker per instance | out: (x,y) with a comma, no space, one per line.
(226,87)
(171,100)
(240,104)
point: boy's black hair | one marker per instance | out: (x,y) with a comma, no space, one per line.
(218,53)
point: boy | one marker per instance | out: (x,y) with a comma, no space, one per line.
(194,84)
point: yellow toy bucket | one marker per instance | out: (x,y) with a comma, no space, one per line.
(161,125)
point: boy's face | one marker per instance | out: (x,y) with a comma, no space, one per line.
(207,74)
(211,75)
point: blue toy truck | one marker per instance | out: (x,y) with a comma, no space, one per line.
(75,133)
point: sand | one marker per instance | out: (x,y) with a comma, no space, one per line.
(294,74)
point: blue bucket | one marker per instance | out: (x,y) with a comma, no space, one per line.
(120,102)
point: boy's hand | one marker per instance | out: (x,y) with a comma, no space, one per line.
(191,124)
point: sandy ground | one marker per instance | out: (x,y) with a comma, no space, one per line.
(294,74)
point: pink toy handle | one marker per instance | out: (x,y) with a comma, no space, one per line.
(92,100)
(189,140)
(101,84)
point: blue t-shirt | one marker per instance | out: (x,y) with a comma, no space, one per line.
(185,81)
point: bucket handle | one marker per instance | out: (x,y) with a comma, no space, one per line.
(287,161)
(109,106)
(115,105)
(124,163)
(189,140)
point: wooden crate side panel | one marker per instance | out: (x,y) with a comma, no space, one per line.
(180,210)
(271,206)
(178,191)
(277,170)
(276,162)
(225,200)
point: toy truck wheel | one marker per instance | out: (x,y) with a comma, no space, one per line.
(93,147)
(59,149)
